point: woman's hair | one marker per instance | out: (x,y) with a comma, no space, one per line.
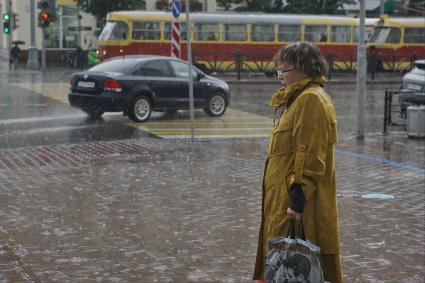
(304,56)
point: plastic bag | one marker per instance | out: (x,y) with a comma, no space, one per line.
(293,259)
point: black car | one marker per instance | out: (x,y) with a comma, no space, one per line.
(138,85)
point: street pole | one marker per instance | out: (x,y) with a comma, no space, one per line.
(361,72)
(189,58)
(9,35)
(32,62)
(382,3)
(43,49)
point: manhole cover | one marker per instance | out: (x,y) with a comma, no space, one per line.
(377,196)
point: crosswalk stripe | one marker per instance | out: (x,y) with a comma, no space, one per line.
(56,91)
(233,124)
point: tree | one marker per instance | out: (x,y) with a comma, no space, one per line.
(194,5)
(256,6)
(227,4)
(315,6)
(291,6)
(100,8)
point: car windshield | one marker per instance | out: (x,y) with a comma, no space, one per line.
(114,30)
(117,66)
(386,35)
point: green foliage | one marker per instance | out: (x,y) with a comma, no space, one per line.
(256,6)
(100,8)
(227,4)
(194,5)
(292,6)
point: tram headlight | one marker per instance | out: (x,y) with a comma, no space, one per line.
(104,53)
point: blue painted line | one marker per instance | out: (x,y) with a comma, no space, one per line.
(404,166)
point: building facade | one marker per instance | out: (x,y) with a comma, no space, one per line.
(72,27)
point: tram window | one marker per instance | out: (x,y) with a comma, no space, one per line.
(235,32)
(414,35)
(262,32)
(146,30)
(206,32)
(386,35)
(114,30)
(289,33)
(157,68)
(340,33)
(315,33)
(369,30)
(167,31)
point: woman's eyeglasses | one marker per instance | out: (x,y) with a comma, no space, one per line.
(280,72)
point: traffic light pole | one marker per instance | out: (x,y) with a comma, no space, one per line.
(43,49)
(32,62)
(9,35)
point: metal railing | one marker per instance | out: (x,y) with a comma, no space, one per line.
(260,62)
(389,108)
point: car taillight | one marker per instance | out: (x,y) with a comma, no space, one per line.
(72,83)
(112,85)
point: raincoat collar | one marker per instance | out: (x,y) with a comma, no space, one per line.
(282,95)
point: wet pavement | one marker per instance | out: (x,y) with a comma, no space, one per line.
(137,208)
(151,210)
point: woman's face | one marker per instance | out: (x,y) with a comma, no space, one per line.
(287,74)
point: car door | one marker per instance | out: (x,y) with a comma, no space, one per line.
(158,77)
(181,73)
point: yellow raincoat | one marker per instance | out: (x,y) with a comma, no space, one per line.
(301,151)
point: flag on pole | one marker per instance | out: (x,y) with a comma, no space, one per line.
(175,30)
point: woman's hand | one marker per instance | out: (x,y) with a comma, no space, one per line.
(293,215)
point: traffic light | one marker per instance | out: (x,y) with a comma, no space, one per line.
(44,16)
(15,21)
(6,23)
(45,19)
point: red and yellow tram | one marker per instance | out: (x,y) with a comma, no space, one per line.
(221,40)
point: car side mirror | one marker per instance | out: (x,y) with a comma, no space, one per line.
(200,76)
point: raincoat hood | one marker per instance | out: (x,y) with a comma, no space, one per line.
(282,95)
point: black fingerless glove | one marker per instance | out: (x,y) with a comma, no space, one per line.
(296,198)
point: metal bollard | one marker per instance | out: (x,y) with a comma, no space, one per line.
(385,111)
(238,62)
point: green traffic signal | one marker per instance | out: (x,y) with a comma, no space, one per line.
(6,27)
(6,23)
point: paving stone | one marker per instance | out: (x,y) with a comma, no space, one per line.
(151,210)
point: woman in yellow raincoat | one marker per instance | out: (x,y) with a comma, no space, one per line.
(299,176)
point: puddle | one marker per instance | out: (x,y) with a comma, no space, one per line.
(377,196)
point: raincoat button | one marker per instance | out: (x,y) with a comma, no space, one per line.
(301,147)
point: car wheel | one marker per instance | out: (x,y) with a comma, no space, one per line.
(216,105)
(94,113)
(141,109)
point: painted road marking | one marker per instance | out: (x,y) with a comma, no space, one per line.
(233,124)
(56,91)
